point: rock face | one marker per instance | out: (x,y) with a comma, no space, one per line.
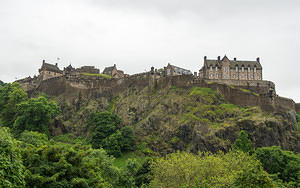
(174,114)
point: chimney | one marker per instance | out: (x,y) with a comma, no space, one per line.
(55,64)
(219,58)
(44,61)
(205,58)
(115,65)
(195,74)
(258,60)
(234,59)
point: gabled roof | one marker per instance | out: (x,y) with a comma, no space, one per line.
(233,63)
(50,67)
(108,69)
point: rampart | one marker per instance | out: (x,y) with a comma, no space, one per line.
(243,93)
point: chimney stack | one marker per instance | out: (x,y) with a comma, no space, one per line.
(55,64)
(258,60)
(219,58)
(44,61)
(234,59)
(205,58)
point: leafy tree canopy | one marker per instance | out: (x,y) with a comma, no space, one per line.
(11,165)
(10,96)
(56,164)
(107,134)
(243,143)
(1,83)
(283,163)
(234,169)
(35,115)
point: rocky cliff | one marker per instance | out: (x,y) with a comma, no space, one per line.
(177,113)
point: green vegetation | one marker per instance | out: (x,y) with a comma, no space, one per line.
(108,134)
(35,115)
(11,165)
(248,91)
(10,96)
(98,75)
(283,165)
(298,121)
(1,83)
(242,143)
(234,169)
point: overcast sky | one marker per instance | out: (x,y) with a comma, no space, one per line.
(138,34)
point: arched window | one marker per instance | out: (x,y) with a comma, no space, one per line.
(255,68)
(216,68)
(248,68)
(236,68)
(211,68)
(243,68)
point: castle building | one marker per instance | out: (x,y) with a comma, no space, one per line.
(171,70)
(88,69)
(114,72)
(48,71)
(231,69)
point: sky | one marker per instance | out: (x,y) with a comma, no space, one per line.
(138,34)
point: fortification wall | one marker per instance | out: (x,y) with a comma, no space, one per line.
(298,108)
(96,87)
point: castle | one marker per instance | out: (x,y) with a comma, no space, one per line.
(225,69)
(244,78)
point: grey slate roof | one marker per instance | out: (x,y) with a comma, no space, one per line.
(181,70)
(233,64)
(50,67)
(108,70)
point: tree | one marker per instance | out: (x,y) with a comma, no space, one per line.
(112,144)
(284,164)
(10,96)
(1,83)
(33,138)
(128,139)
(11,166)
(57,164)
(102,125)
(35,115)
(233,169)
(243,143)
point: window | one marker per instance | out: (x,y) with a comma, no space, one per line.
(217,76)
(216,68)
(248,69)
(255,69)
(211,68)
(168,71)
(236,68)
(224,69)
(243,68)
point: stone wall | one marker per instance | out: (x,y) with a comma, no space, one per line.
(256,95)
(298,108)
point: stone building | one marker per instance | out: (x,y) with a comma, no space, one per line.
(88,69)
(231,69)
(114,72)
(48,71)
(171,70)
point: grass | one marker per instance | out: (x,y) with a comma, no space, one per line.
(98,75)
(248,91)
(120,162)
